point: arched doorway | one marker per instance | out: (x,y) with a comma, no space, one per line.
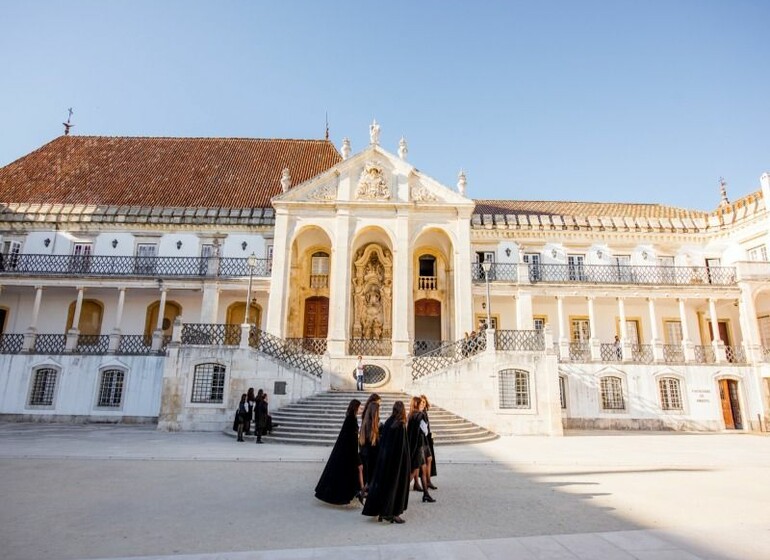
(236,314)
(91,312)
(731,408)
(427,325)
(316,321)
(171,312)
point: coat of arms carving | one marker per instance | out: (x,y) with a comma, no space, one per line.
(373,185)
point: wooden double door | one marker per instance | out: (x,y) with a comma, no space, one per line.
(731,408)
(316,324)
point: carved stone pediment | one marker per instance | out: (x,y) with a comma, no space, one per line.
(373,184)
(419,193)
(327,191)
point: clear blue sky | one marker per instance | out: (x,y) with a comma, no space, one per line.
(608,101)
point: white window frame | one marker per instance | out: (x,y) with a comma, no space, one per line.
(515,389)
(576,267)
(670,393)
(757,254)
(610,387)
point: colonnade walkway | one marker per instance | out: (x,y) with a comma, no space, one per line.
(110,492)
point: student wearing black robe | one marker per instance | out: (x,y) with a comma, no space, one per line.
(369,437)
(342,478)
(388,494)
(430,453)
(417,434)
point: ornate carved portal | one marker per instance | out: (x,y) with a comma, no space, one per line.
(372,293)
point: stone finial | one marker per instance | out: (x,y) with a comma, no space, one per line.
(764,181)
(462,182)
(285,179)
(345,148)
(374,133)
(723,192)
(402,148)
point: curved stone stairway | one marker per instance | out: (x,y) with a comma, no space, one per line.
(317,420)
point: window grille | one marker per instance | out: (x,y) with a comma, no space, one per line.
(43,386)
(514,389)
(111,388)
(670,394)
(612,393)
(208,383)
(562,392)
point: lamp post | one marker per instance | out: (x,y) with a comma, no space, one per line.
(487,266)
(251,262)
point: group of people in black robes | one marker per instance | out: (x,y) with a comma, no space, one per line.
(377,463)
(253,407)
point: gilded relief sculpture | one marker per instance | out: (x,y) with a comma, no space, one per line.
(372,293)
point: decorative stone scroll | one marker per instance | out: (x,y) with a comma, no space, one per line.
(324,192)
(419,193)
(372,293)
(373,184)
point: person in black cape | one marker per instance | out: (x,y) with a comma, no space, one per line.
(369,436)
(388,495)
(417,434)
(342,478)
(430,452)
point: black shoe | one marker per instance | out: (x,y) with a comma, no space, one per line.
(260,440)
(417,488)
(396,519)
(430,485)
(241,439)
(428,498)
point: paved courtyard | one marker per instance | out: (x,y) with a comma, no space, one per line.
(117,492)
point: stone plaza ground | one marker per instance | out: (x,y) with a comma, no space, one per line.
(119,491)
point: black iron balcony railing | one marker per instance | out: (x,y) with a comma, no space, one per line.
(308,345)
(11,343)
(735,354)
(444,356)
(498,272)
(579,352)
(130,344)
(135,345)
(611,352)
(528,341)
(642,354)
(370,347)
(50,344)
(704,354)
(103,265)
(673,354)
(420,347)
(293,355)
(92,344)
(627,274)
(211,334)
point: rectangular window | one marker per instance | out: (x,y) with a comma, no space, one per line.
(539,322)
(575,268)
(206,266)
(563,392)
(758,254)
(580,330)
(514,389)
(535,270)
(269,256)
(622,266)
(670,394)
(111,388)
(481,321)
(145,258)
(485,257)
(672,332)
(612,393)
(667,271)
(81,257)
(11,251)
(43,386)
(208,383)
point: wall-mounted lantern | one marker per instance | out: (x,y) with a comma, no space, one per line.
(507,251)
(553,253)
(47,241)
(599,254)
(244,245)
(644,255)
(114,243)
(179,244)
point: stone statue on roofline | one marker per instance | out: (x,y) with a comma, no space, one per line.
(285,179)
(374,133)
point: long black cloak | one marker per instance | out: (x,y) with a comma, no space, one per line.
(339,481)
(389,489)
(417,441)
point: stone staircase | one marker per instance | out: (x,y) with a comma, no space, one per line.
(317,420)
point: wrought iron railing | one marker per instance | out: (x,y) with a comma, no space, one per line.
(420,347)
(673,354)
(611,352)
(627,274)
(11,343)
(704,354)
(446,355)
(104,265)
(135,344)
(370,347)
(498,272)
(766,353)
(557,351)
(427,283)
(93,344)
(579,352)
(293,355)
(642,353)
(50,344)
(735,354)
(211,334)
(532,341)
(309,345)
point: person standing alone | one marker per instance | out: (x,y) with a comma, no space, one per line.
(360,374)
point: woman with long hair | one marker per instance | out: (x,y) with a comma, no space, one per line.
(430,455)
(389,490)
(417,432)
(260,416)
(343,478)
(369,436)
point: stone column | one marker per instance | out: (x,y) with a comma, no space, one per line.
(279,281)
(748,318)
(624,342)
(563,331)
(31,334)
(210,303)
(716,341)
(339,285)
(594,343)
(72,334)
(524,320)
(116,331)
(688,348)
(402,297)
(463,284)
(657,343)
(157,336)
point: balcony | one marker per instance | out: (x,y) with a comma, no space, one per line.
(56,344)
(427,283)
(110,266)
(627,274)
(498,272)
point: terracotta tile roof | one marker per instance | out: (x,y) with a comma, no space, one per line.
(562,208)
(168,172)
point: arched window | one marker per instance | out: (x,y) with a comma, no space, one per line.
(612,393)
(319,270)
(514,388)
(208,383)
(670,393)
(427,279)
(111,388)
(172,311)
(90,323)
(43,387)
